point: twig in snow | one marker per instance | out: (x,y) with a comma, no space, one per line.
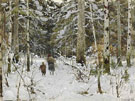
(7,84)
(22,80)
(75,67)
(18,90)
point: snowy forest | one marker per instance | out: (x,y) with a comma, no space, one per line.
(74,50)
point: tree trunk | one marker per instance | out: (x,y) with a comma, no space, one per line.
(1,32)
(28,40)
(94,34)
(119,34)
(96,49)
(10,39)
(129,35)
(15,40)
(81,33)
(106,37)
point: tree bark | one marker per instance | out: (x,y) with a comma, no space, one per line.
(94,34)
(129,35)
(106,37)
(1,32)
(81,33)
(96,49)
(10,38)
(15,26)
(119,34)
(28,40)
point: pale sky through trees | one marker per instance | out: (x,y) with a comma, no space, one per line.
(58,1)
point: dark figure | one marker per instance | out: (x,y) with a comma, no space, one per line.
(51,62)
(106,61)
(1,86)
(43,68)
(82,62)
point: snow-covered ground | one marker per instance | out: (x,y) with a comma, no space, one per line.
(63,85)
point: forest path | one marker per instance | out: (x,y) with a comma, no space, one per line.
(58,84)
(62,86)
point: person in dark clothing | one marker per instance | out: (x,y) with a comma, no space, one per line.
(51,62)
(51,68)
